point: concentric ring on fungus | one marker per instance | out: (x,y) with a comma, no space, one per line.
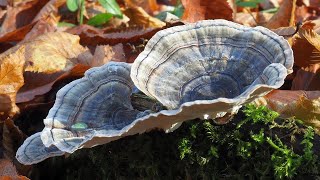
(207,60)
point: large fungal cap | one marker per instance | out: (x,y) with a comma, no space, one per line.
(208,60)
(100,101)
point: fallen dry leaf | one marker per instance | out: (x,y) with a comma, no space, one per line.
(102,55)
(52,52)
(251,20)
(304,105)
(129,42)
(91,36)
(306,46)
(21,15)
(8,171)
(43,26)
(196,10)
(50,9)
(233,6)
(36,84)
(286,32)
(138,17)
(284,17)
(150,6)
(307,78)
(11,79)
(13,137)
(18,34)
(39,83)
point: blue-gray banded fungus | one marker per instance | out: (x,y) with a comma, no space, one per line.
(205,69)
(208,60)
(33,151)
(97,104)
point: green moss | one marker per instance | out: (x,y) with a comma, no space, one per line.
(254,145)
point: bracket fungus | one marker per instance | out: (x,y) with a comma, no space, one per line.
(211,61)
(211,67)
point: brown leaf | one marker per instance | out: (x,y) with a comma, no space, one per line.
(248,19)
(128,42)
(196,10)
(285,31)
(85,57)
(304,105)
(21,16)
(150,6)
(119,55)
(50,9)
(18,34)
(91,36)
(307,78)
(39,83)
(52,52)
(306,46)
(36,84)
(11,79)
(7,168)
(284,17)
(43,26)
(102,55)
(13,138)
(139,17)
(308,33)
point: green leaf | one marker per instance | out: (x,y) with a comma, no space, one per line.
(178,10)
(100,19)
(112,7)
(65,24)
(251,3)
(72,5)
